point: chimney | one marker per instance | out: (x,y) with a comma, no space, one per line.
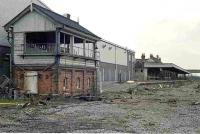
(151,56)
(143,56)
(67,15)
(78,20)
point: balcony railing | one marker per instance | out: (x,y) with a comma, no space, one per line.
(40,48)
(49,48)
(78,51)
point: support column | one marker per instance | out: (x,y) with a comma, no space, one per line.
(71,44)
(73,82)
(145,73)
(57,60)
(84,82)
(84,42)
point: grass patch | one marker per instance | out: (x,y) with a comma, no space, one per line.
(7,102)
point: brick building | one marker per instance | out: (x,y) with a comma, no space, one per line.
(52,53)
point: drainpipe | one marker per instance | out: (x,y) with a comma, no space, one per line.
(11,56)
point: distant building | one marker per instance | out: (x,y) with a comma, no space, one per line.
(116,62)
(153,69)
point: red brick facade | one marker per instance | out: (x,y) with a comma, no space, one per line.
(71,81)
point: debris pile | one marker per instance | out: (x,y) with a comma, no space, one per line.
(7,88)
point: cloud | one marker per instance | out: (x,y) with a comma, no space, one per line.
(174,41)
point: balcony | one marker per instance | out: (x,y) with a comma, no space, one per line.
(49,49)
(44,43)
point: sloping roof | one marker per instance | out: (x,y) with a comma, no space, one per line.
(113,44)
(63,20)
(57,18)
(164,65)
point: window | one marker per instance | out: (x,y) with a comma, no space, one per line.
(78,83)
(89,82)
(65,83)
(89,49)
(40,42)
(64,43)
(78,46)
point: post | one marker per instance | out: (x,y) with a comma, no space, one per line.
(57,59)
(71,44)
(145,74)
(11,57)
(84,42)
(73,83)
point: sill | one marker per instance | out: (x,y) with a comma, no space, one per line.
(39,54)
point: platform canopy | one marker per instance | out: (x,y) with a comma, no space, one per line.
(167,66)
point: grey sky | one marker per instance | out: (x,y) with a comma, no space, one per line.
(169,28)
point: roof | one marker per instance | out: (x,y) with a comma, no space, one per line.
(55,17)
(103,40)
(165,65)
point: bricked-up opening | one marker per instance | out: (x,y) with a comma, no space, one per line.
(64,43)
(89,82)
(40,42)
(78,83)
(65,83)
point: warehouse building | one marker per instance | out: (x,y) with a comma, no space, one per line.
(116,62)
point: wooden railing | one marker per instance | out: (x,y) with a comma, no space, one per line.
(49,48)
(40,48)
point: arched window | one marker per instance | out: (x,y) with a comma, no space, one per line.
(89,82)
(65,83)
(78,83)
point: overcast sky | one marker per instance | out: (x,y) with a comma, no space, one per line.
(169,28)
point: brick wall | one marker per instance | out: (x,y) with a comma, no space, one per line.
(68,87)
(78,82)
(44,81)
(45,85)
(65,87)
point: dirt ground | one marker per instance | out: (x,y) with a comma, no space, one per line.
(161,109)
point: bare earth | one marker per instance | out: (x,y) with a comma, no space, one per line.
(157,110)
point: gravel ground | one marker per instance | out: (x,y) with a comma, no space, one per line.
(161,110)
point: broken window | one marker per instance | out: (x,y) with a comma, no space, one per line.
(40,42)
(78,46)
(64,43)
